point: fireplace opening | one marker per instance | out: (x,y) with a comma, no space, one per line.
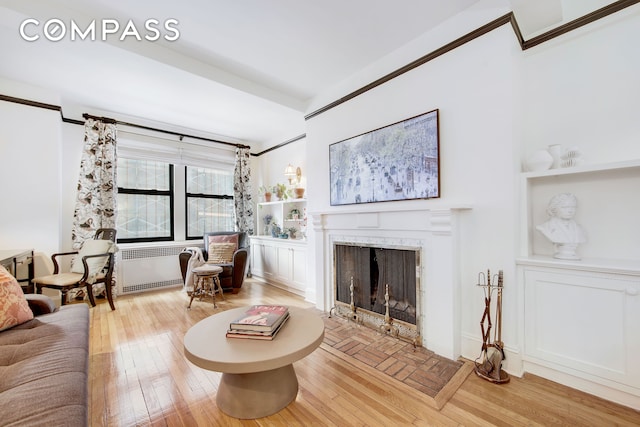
(366,271)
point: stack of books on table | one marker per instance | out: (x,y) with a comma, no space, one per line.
(259,322)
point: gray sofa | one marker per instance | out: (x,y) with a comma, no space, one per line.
(44,367)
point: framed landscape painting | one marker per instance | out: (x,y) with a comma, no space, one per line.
(397,162)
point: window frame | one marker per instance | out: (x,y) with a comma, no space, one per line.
(170,193)
(187,195)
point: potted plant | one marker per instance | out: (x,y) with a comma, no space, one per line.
(266,192)
(299,192)
(292,232)
(281,191)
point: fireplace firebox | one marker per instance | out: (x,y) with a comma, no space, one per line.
(378,286)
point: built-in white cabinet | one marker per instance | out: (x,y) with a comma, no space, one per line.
(583,321)
(580,320)
(280,262)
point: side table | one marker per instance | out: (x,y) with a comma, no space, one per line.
(12,259)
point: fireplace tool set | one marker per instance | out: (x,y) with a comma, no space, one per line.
(489,363)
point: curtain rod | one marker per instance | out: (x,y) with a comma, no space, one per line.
(179,134)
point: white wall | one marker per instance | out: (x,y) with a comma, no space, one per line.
(31,157)
(582,89)
(72,147)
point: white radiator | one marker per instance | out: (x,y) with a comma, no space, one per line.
(147,268)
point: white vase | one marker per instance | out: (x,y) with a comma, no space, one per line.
(541,160)
(556,152)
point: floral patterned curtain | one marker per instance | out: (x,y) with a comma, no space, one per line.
(97,189)
(242,191)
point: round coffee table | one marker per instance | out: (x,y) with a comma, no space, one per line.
(258,378)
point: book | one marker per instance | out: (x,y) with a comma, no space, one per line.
(257,335)
(260,318)
(261,333)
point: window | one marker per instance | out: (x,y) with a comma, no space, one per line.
(145,201)
(210,206)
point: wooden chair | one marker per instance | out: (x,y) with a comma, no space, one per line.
(94,269)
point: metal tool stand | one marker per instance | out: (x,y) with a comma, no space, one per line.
(489,364)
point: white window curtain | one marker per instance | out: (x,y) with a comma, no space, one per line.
(242,191)
(97,190)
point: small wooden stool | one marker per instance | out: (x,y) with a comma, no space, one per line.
(206,283)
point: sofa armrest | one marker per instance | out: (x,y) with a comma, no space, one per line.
(40,304)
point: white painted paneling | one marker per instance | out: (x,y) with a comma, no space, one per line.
(584,323)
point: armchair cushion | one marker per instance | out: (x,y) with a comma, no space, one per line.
(224,238)
(60,279)
(92,247)
(221,253)
(14,308)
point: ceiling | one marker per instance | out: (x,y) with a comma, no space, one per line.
(240,70)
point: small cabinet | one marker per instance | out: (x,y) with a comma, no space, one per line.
(257,259)
(292,266)
(299,267)
(583,322)
(280,262)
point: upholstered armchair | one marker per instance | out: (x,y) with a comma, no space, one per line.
(229,250)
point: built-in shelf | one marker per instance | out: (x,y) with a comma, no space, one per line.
(281,210)
(281,202)
(588,168)
(602,265)
(607,193)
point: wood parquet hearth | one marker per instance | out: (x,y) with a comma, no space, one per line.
(416,367)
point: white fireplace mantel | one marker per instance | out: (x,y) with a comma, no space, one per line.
(435,231)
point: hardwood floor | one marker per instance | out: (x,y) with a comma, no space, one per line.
(140,377)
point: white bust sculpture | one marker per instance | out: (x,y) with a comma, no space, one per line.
(561,229)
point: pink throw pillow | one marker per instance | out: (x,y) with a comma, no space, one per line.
(14,308)
(225,238)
